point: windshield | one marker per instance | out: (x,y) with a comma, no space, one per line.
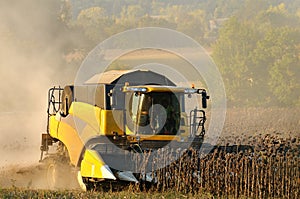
(154,113)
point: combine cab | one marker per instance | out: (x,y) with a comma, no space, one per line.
(97,131)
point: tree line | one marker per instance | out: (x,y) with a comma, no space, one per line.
(259,58)
(254,43)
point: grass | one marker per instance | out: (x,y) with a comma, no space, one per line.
(32,194)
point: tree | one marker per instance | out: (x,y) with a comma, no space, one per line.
(94,22)
(259,58)
(284,82)
(281,49)
(65,14)
(130,15)
(147,21)
(276,16)
(193,24)
(231,53)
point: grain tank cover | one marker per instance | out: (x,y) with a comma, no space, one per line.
(133,77)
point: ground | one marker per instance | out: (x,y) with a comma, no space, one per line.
(242,126)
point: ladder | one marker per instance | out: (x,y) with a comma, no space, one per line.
(197,121)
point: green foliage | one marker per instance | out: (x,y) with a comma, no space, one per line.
(20,193)
(257,48)
(194,24)
(259,58)
(255,43)
(284,79)
(232,54)
(93,21)
(277,16)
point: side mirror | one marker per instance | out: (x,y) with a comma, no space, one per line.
(205,97)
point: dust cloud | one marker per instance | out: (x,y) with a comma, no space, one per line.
(30,61)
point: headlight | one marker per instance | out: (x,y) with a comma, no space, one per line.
(134,89)
(190,90)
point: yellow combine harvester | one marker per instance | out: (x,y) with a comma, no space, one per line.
(95,130)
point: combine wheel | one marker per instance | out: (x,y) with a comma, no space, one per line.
(53,176)
(60,175)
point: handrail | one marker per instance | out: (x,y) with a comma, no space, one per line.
(53,103)
(197,122)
